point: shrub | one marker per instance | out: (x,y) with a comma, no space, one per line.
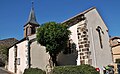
(34,71)
(82,69)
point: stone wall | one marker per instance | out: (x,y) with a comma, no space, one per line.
(83,43)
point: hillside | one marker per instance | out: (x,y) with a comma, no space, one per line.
(8,42)
(4,44)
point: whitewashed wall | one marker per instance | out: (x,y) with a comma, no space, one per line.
(22,53)
(39,56)
(11,59)
(100,56)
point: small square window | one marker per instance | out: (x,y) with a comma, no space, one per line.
(18,61)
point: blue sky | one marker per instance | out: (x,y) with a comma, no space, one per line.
(14,13)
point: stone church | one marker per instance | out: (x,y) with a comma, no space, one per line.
(88,33)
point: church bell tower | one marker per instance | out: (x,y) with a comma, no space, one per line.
(32,24)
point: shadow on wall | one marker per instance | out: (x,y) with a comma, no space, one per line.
(68,56)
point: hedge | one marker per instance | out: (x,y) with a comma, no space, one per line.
(82,69)
(34,71)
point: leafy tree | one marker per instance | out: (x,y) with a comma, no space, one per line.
(54,37)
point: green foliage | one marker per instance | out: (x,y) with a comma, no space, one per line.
(3,50)
(82,69)
(117,60)
(33,71)
(3,55)
(54,37)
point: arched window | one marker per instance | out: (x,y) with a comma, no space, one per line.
(99,30)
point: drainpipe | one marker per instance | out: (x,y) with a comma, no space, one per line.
(29,60)
(15,62)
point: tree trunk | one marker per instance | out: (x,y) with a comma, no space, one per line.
(53,58)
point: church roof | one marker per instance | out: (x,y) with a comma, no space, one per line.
(75,19)
(32,18)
